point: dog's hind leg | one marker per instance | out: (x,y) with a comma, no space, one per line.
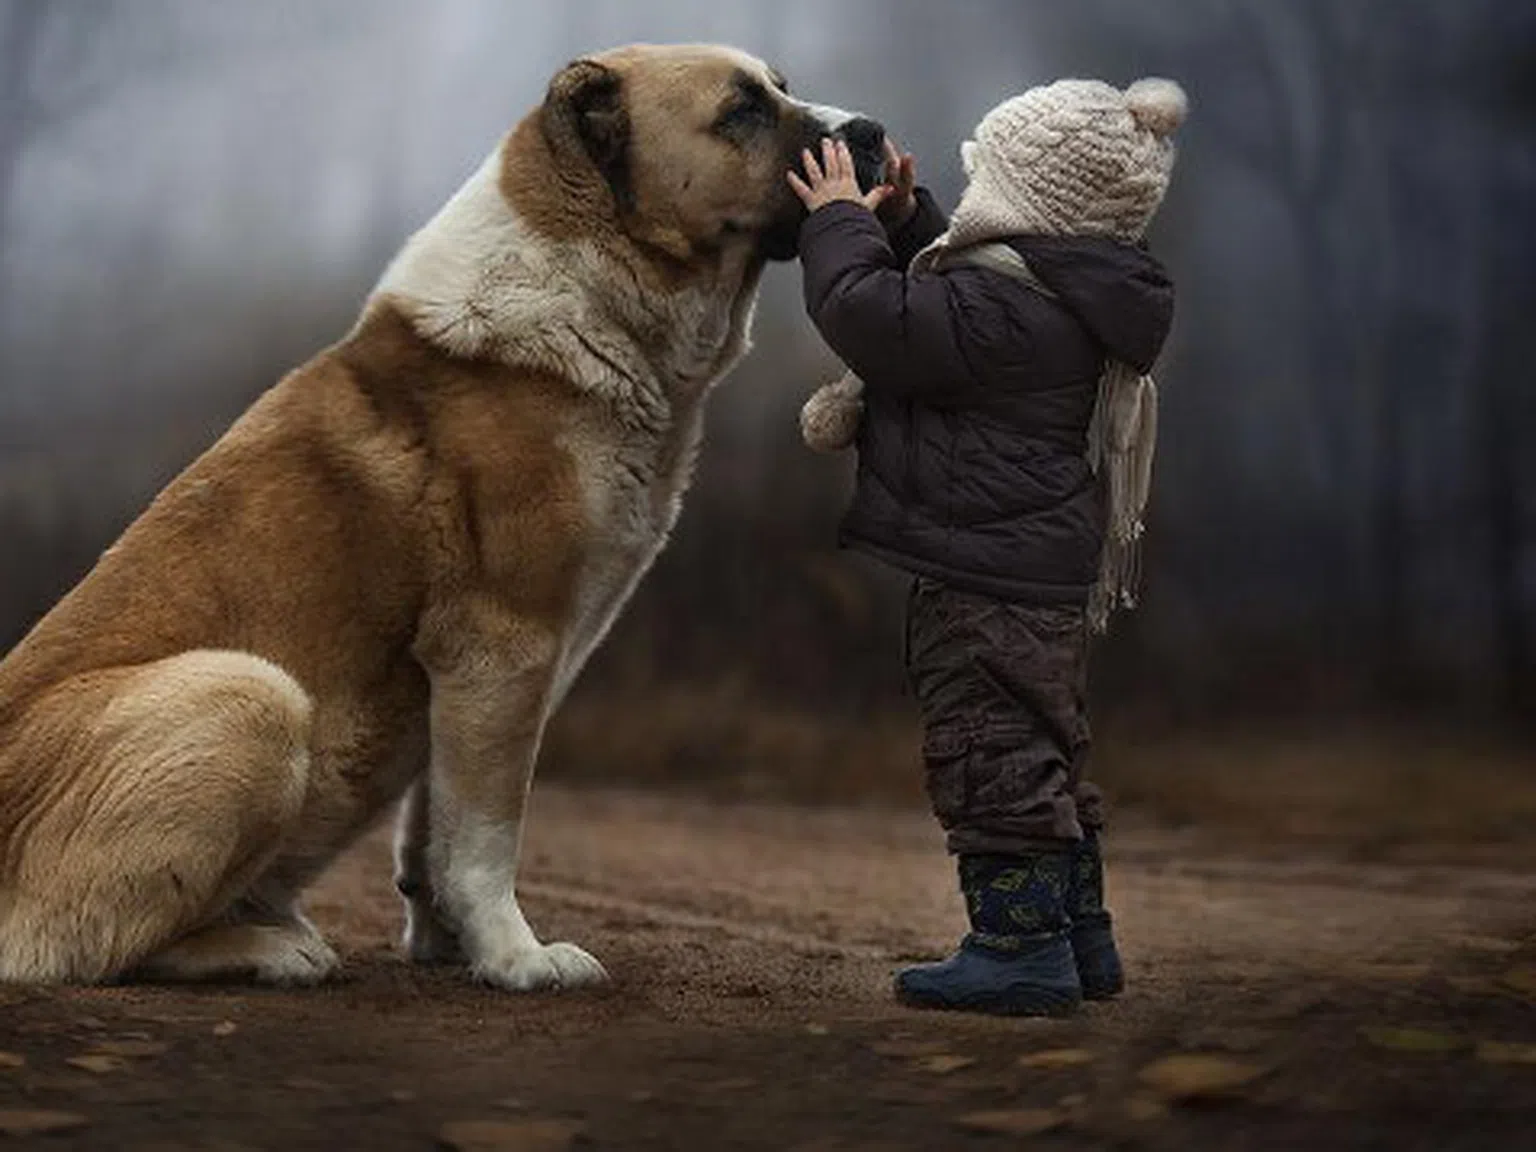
(262,937)
(428,939)
(168,792)
(269,953)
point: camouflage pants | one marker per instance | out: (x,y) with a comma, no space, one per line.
(1003,691)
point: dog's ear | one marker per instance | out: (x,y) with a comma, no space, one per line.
(585,118)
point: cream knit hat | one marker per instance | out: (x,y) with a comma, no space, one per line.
(1077,157)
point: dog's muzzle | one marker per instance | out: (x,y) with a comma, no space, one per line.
(866,142)
(865,139)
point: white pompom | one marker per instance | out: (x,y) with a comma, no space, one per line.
(1158,105)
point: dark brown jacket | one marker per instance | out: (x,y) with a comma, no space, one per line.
(978,394)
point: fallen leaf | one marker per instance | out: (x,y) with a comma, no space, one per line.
(224,1028)
(1073,1104)
(35,1123)
(902,1047)
(62,1082)
(1521,979)
(1397,973)
(1501,1052)
(1187,1076)
(1473,985)
(1288,1006)
(12,1060)
(97,1062)
(1492,944)
(509,1135)
(128,1048)
(1411,1039)
(1325,1101)
(927,1093)
(1013,1121)
(1143,1108)
(1056,1058)
(817,1029)
(1227,1038)
(945,1064)
(130,1091)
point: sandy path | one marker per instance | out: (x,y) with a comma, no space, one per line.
(751,949)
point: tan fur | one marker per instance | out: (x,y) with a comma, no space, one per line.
(383,578)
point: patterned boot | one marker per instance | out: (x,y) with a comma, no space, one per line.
(1016,960)
(1093,940)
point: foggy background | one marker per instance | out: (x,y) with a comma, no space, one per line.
(195,197)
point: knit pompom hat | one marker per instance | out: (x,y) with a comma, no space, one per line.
(1073,158)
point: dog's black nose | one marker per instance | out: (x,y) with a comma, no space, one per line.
(863,135)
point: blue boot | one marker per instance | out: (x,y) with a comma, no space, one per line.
(1016,960)
(1091,934)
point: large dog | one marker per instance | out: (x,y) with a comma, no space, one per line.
(382,580)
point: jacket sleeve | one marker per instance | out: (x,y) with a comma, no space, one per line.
(896,332)
(924,227)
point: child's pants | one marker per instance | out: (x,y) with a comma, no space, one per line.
(1005,719)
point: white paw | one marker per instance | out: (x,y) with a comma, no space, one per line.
(560,967)
(288,957)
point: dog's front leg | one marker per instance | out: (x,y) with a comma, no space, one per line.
(488,714)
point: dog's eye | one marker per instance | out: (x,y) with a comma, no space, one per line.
(750,111)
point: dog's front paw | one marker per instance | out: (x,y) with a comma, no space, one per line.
(546,967)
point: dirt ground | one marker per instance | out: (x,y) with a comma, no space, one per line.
(1275,1002)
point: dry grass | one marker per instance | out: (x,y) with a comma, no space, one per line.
(1372,792)
(1378,791)
(723,741)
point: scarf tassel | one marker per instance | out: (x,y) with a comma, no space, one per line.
(1121,440)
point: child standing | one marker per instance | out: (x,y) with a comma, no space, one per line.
(1004,428)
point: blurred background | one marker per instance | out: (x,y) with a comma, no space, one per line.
(1339,628)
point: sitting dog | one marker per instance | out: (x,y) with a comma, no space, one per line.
(384,578)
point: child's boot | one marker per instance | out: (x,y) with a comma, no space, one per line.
(1016,960)
(1091,934)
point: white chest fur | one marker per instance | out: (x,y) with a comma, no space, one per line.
(632,485)
(477,281)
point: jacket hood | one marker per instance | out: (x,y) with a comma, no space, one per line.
(1120,292)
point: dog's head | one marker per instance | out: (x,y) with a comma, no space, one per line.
(688,146)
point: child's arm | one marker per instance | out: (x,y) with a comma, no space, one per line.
(897,333)
(894,331)
(911,217)
(922,228)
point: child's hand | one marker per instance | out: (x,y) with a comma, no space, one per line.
(901,175)
(833,179)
